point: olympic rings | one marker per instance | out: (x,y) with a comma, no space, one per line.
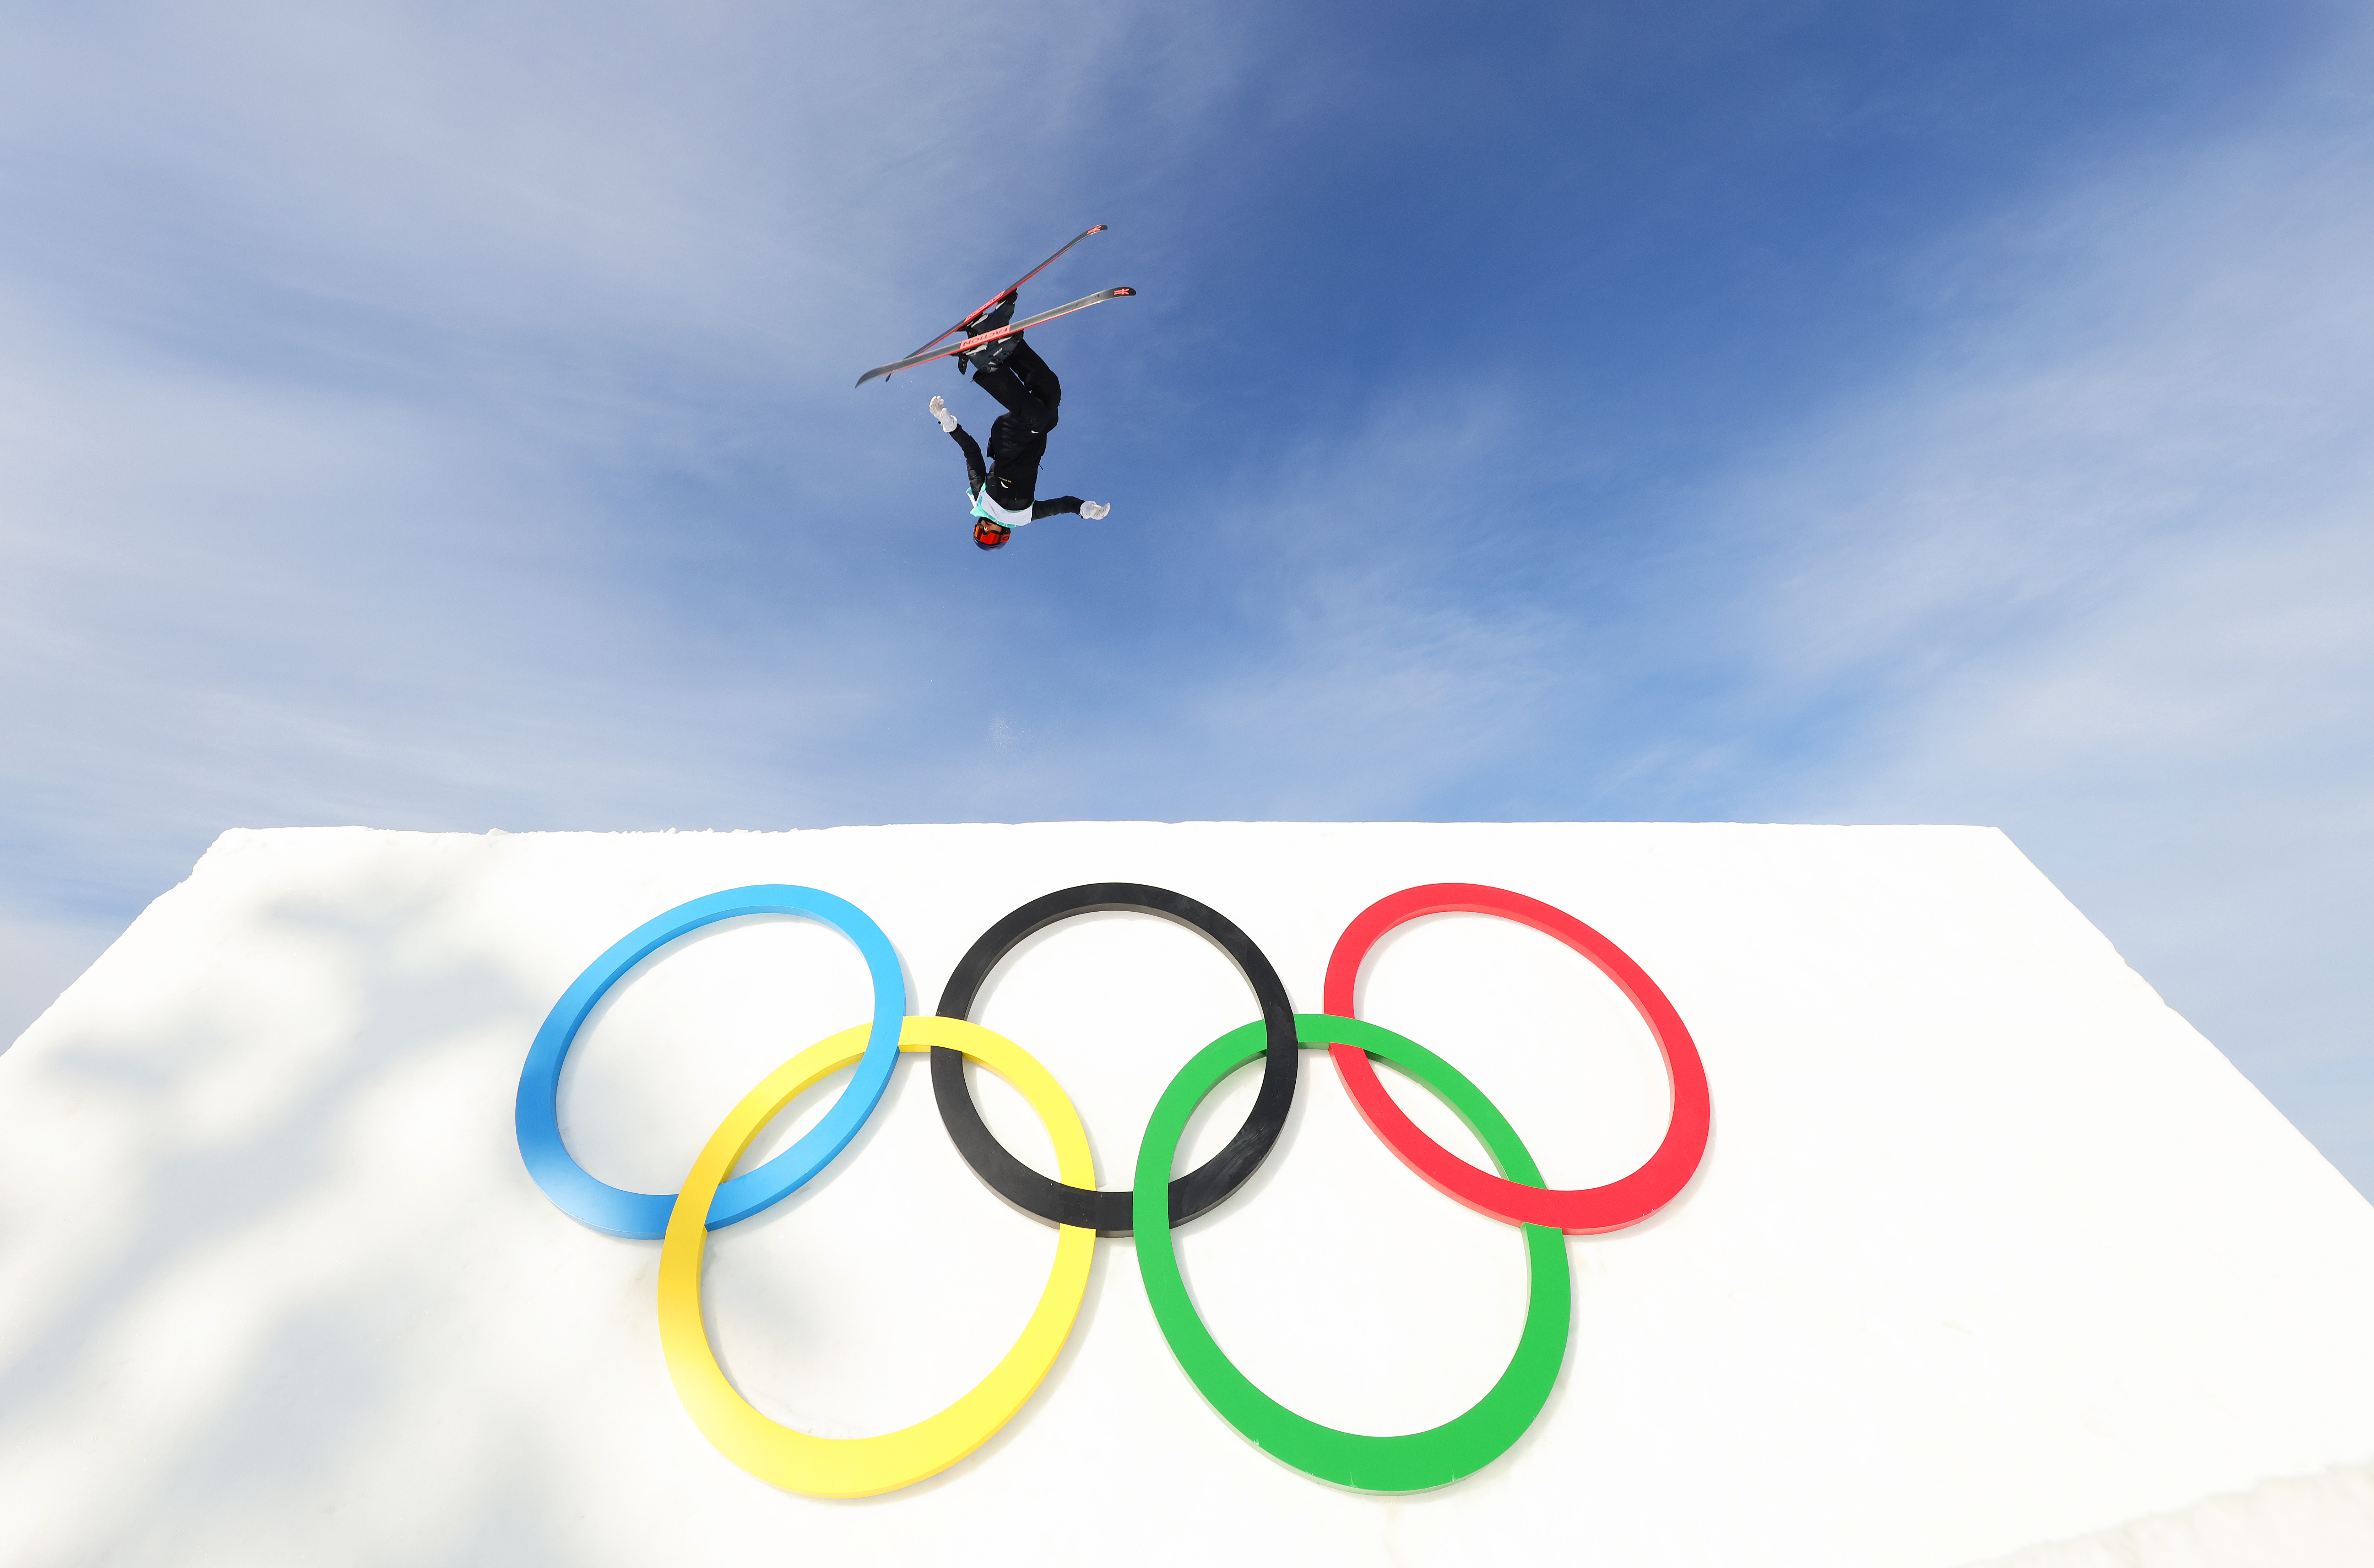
(644,1215)
(861,1467)
(1580,1211)
(1110,1213)
(1411,1462)
(1153,1206)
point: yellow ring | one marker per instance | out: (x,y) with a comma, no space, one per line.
(859,1467)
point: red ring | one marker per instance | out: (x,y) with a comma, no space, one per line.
(1576,1211)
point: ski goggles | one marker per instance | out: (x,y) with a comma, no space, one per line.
(711,1196)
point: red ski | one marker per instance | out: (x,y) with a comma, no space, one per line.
(927,354)
(1016,287)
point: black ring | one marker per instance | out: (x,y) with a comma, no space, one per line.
(1108,1212)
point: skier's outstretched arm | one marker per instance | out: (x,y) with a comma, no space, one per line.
(976,470)
(1063,504)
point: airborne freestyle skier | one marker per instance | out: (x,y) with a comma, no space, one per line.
(1003,489)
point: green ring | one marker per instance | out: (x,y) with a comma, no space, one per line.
(1411,1462)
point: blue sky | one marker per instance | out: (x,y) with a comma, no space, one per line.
(440,416)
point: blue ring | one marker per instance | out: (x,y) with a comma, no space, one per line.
(644,1215)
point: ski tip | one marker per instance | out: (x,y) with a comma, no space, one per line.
(1100,228)
(1120,292)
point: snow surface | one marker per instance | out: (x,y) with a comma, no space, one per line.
(1991,1250)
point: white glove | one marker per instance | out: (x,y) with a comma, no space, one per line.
(940,412)
(1095,511)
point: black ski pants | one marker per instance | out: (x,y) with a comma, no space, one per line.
(1030,394)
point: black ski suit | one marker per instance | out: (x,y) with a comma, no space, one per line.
(1017,438)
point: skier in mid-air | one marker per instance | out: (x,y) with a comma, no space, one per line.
(1004,486)
(1004,490)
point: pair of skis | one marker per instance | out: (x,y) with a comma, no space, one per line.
(939,348)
